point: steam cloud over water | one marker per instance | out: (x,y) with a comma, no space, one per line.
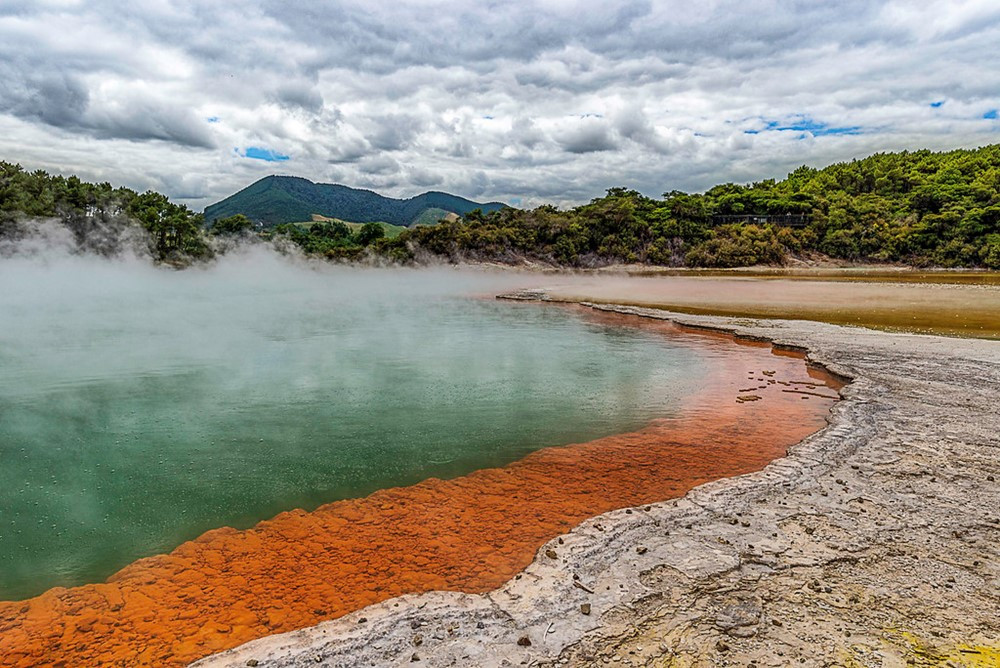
(141,405)
(41,238)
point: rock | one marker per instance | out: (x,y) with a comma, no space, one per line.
(550,553)
(739,618)
(585,608)
(524,641)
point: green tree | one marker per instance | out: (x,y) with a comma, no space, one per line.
(232,226)
(369,233)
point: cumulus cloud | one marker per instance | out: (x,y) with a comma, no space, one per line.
(530,102)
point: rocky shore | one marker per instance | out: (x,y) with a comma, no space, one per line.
(875,542)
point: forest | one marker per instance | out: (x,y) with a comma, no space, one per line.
(100,218)
(920,208)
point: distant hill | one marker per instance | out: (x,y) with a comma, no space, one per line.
(288,199)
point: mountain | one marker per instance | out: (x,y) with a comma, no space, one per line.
(289,199)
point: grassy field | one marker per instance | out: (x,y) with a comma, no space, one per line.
(391,231)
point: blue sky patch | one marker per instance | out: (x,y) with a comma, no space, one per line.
(266,154)
(937,104)
(212,119)
(804,124)
(991,115)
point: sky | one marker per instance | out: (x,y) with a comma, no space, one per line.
(524,102)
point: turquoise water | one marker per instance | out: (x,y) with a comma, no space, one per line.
(140,407)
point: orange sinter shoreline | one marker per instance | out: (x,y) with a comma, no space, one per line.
(470,534)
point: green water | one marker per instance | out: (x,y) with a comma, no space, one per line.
(140,407)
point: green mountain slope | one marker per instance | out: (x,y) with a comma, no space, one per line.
(286,199)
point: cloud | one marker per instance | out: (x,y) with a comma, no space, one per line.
(536,101)
(586,135)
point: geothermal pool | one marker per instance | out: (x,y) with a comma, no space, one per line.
(142,407)
(414,418)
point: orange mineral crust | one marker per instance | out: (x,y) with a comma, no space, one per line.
(470,533)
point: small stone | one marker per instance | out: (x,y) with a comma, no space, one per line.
(414,658)
(362,620)
(418,640)
(524,641)
(585,608)
(252,662)
(550,553)
(721,647)
(641,550)
(480,625)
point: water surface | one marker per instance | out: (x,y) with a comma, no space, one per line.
(140,407)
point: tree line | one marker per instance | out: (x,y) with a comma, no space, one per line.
(921,208)
(100,217)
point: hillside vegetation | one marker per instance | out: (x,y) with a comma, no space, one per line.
(920,207)
(275,200)
(391,231)
(97,218)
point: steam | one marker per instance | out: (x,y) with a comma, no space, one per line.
(105,236)
(141,405)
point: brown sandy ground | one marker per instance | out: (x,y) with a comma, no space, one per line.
(925,303)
